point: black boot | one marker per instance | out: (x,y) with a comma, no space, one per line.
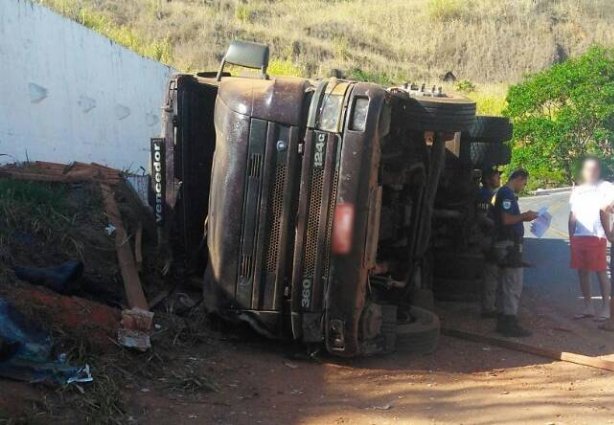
(63,278)
(511,329)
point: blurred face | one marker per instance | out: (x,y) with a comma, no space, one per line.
(519,184)
(590,171)
(495,180)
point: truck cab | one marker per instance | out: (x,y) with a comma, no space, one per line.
(312,201)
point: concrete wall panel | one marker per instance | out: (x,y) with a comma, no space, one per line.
(69,94)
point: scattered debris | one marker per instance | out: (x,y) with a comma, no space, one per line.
(110,229)
(55,214)
(29,354)
(136,325)
(291,365)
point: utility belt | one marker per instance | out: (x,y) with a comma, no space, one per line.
(508,253)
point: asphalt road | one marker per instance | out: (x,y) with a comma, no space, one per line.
(552,296)
(549,255)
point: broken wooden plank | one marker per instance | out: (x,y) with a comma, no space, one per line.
(138,246)
(49,167)
(130,276)
(563,356)
(21,175)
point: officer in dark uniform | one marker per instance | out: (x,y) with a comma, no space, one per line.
(508,247)
(491,180)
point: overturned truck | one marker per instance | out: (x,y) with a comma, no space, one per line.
(307,205)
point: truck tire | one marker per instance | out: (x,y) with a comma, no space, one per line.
(485,154)
(458,290)
(420,333)
(441,114)
(491,129)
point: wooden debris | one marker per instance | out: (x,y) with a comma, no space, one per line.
(138,247)
(130,276)
(136,325)
(563,356)
(72,173)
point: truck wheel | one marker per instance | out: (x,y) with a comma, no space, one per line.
(419,333)
(485,154)
(458,290)
(451,113)
(491,129)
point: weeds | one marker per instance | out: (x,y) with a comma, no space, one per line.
(285,68)
(158,48)
(371,76)
(446,10)
(483,41)
(35,212)
(490,98)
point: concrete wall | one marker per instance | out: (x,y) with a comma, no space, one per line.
(69,94)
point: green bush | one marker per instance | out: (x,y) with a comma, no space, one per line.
(465,86)
(562,114)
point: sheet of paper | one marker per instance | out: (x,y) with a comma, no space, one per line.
(540,225)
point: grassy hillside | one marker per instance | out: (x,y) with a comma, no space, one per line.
(486,42)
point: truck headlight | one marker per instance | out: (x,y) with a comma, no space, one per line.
(359,114)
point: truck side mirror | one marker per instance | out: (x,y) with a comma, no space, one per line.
(248,55)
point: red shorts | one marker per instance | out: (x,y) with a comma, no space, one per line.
(589,253)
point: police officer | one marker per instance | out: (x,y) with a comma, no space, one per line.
(491,180)
(509,234)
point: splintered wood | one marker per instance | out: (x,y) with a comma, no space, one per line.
(71,173)
(129,271)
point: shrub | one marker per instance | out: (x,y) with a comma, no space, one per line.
(564,113)
(465,86)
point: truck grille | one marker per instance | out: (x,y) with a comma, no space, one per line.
(313,222)
(320,182)
(274,218)
(329,226)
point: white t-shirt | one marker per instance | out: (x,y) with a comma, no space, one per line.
(586,202)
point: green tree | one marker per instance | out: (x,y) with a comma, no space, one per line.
(562,114)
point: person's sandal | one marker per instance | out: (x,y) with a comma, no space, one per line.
(604,316)
(587,312)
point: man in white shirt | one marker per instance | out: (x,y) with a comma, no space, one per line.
(587,236)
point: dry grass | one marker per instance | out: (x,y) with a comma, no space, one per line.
(479,40)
